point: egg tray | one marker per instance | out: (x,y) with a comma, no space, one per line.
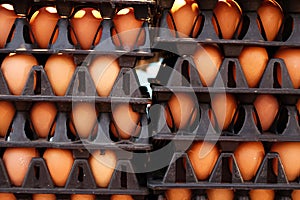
(80,180)
(250,34)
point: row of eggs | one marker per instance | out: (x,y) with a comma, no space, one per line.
(86,27)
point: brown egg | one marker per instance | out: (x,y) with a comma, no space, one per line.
(220,194)
(121,197)
(248,156)
(289,155)
(7,19)
(43,197)
(224,107)
(60,69)
(83,197)
(182,110)
(84,117)
(85,23)
(128,29)
(271,16)
(42,116)
(296,195)
(253,60)
(262,194)
(7,113)
(208,59)
(125,121)
(103,166)
(187,18)
(7,196)
(15,69)
(59,163)
(16,161)
(228,14)
(178,194)
(104,71)
(203,157)
(42,24)
(266,107)
(291,57)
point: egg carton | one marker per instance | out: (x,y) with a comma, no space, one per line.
(80,180)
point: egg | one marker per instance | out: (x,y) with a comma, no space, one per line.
(103,166)
(86,23)
(271,16)
(84,117)
(208,59)
(60,69)
(59,163)
(220,194)
(7,196)
(121,197)
(296,195)
(83,197)
(104,71)
(228,15)
(125,121)
(186,18)
(203,157)
(181,110)
(178,194)
(262,194)
(224,107)
(42,24)
(16,161)
(42,116)
(289,155)
(43,197)
(267,108)
(253,60)
(291,57)
(7,113)
(15,69)
(127,29)
(7,20)
(248,156)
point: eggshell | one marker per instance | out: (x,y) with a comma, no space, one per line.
(289,155)
(7,196)
(291,57)
(266,107)
(296,195)
(271,16)
(59,163)
(208,59)
(16,161)
(83,197)
(7,19)
(128,29)
(15,69)
(203,157)
(224,107)
(43,197)
(85,23)
(7,113)
(104,71)
(121,197)
(262,194)
(42,24)
(42,116)
(220,194)
(182,110)
(60,69)
(253,60)
(178,194)
(228,15)
(184,13)
(248,156)
(103,167)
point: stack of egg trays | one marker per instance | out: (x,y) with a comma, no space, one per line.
(285,127)
(81,89)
